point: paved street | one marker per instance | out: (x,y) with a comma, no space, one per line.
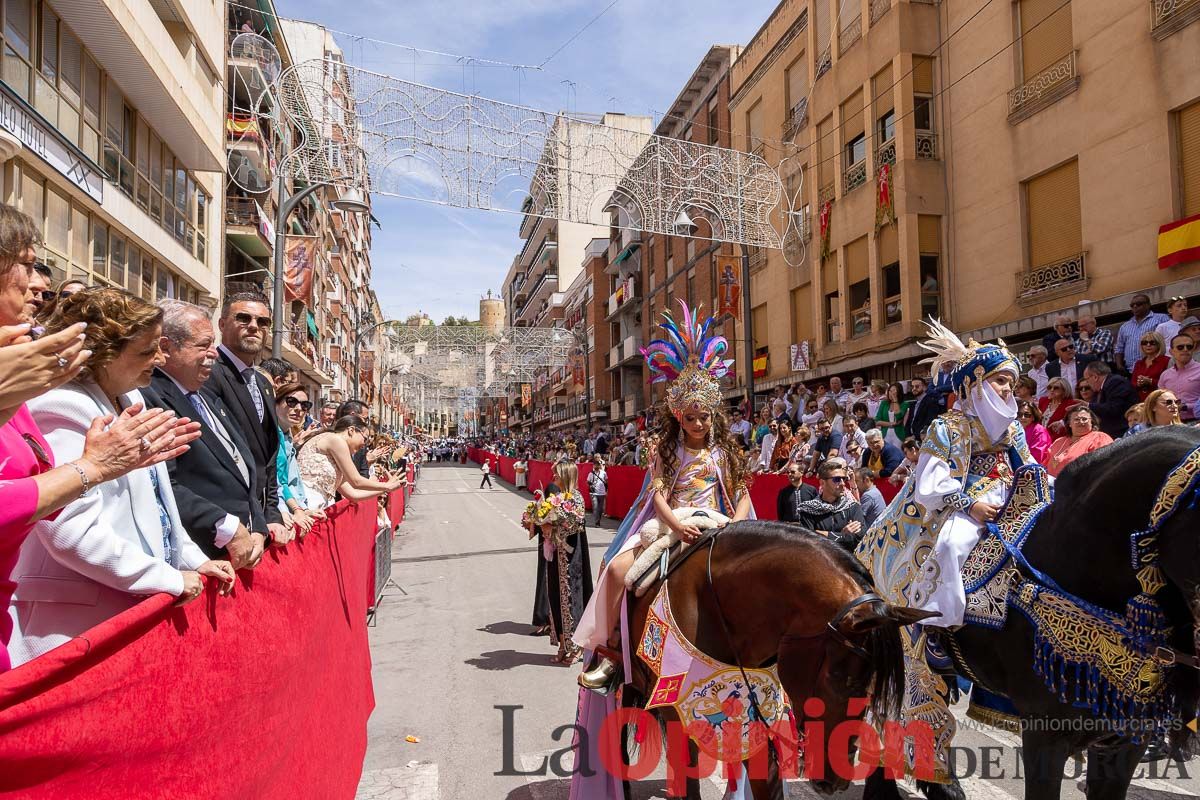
(450,643)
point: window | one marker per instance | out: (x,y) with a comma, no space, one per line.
(758,321)
(856,150)
(797,81)
(18,44)
(1188,126)
(852,127)
(886,130)
(754,127)
(832,293)
(826,150)
(1046,35)
(691,289)
(929,240)
(859,284)
(1053,216)
(714,124)
(923,93)
(100,249)
(117,261)
(889,257)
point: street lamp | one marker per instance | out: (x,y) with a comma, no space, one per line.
(684,226)
(352,202)
(359,332)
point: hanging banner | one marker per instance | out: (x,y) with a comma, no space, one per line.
(526,395)
(300,255)
(826,208)
(577,370)
(730,288)
(885,204)
(760,362)
(801,356)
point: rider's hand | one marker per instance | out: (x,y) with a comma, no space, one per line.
(852,527)
(689,534)
(983,512)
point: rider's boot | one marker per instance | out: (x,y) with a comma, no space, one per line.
(605,674)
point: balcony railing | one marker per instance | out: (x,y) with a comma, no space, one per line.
(878,9)
(850,34)
(797,118)
(927,145)
(856,176)
(885,154)
(893,308)
(1042,89)
(1171,15)
(826,194)
(824,62)
(241,211)
(1055,279)
(757,257)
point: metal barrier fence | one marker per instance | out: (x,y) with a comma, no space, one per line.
(383,565)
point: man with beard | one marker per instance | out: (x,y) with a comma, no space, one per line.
(245,323)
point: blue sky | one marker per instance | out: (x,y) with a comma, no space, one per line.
(634,59)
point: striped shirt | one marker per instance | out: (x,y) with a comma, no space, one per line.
(1129,336)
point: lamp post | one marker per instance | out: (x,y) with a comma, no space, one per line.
(352,202)
(359,332)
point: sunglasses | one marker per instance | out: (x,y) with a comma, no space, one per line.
(1066,347)
(244,319)
(837,478)
(1185,347)
(1171,403)
(1026,414)
(45,296)
(292,402)
(1149,341)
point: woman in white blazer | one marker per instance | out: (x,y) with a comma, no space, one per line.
(122,540)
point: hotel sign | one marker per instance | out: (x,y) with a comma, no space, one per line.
(49,145)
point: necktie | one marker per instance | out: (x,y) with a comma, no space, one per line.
(164,518)
(221,434)
(255,392)
(201,408)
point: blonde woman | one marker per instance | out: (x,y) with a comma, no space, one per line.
(1160,408)
(1054,406)
(568,567)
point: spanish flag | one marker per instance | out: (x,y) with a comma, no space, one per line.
(760,365)
(1179,242)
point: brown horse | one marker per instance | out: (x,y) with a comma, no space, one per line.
(762,593)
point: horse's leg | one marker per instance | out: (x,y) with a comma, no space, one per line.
(942,791)
(1044,755)
(770,788)
(880,787)
(1110,770)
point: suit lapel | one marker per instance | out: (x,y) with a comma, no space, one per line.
(179,403)
(237,388)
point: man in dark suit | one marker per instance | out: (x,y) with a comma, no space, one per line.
(214,482)
(250,398)
(1114,395)
(1068,367)
(928,405)
(787,502)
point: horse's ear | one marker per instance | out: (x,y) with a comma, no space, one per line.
(869,616)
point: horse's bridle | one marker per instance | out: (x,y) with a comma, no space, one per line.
(831,629)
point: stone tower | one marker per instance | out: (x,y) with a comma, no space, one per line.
(491,312)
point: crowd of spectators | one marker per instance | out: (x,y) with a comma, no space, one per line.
(141,452)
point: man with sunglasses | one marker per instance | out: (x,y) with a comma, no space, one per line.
(1067,366)
(245,324)
(39,293)
(1183,376)
(1127,349)
(833,512)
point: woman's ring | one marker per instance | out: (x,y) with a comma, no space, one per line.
(62,362)
(144,443)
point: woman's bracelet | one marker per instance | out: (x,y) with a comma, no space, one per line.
(83,477)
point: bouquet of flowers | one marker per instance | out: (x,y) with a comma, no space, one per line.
(557,508)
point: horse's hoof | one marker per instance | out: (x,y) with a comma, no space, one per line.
(942,791)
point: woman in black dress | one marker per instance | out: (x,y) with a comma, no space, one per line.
(568,566)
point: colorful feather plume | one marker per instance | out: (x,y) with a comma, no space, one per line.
(668,357)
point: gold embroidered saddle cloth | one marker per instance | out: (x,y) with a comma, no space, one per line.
(989,574)
(711,698)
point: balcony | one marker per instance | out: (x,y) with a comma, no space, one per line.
(824,62)
(850,34)
(622,251)
(626,351)
(826,194)
(251,68)
(927,145)
(878,9)
(1169,16)
(855,176)
(797,118)
(621,299)
(544,256)
(1053,280)
(886,154)
(1044,89)
(246,227)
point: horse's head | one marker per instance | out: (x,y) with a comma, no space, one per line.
(835,675)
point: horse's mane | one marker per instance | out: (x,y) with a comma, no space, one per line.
(887,656)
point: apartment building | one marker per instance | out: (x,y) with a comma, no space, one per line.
(991,169)
(648,273)
(111,120)
(575,391)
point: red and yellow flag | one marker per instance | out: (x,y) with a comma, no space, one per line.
(1179,242)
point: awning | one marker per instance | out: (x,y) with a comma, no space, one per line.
(627,252)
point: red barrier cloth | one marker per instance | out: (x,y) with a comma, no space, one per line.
(263,694)
(506,469)
(395,507)
(585,470)
(624,483)
(539,475)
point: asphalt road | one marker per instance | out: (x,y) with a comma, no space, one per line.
(450,647)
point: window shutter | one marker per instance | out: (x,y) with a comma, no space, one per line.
(825,149)
(759,322)
(1045,34)
(922,75)
(889,245)
(929,237)
(821,25)
(797,81)
(857,262)
(802,320)
(852,117)
(754,125)
(1189,158)
(881,88)
(1055,229)
(829,275)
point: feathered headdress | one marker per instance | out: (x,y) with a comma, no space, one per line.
(972,362)
(690,358)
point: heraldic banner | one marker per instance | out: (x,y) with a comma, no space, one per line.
(301,256)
